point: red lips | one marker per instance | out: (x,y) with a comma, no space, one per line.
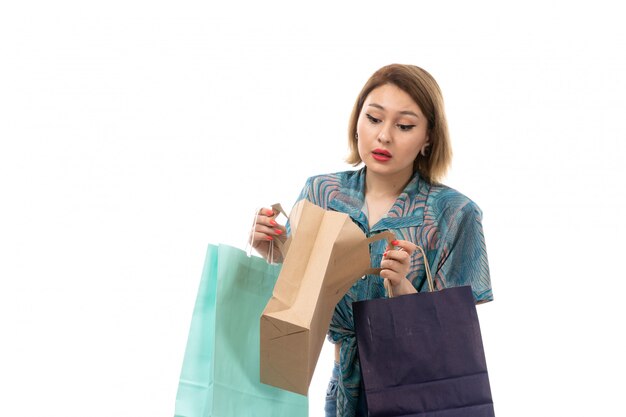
(381,155)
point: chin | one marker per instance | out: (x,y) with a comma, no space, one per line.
(381,169)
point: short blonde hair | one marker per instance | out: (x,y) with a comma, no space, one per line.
(425,91)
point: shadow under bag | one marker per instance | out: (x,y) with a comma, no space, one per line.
(421,355)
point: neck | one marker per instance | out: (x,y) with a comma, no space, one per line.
(377,185)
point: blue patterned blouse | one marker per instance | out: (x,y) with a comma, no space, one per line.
(440,219)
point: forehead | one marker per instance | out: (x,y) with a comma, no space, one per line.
(391,98)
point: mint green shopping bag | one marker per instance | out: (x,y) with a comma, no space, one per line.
(220,374)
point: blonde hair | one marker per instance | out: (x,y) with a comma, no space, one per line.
(425,91)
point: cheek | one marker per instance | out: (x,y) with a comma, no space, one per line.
(360,146)
(419,140)
(363,133)
(413,147)
(360,126)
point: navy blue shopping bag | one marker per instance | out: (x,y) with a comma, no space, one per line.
(422,355)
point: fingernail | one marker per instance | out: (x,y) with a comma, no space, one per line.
(269,238)
(273,222)
(385,254)
(278,231)
(269,212)
(394,242)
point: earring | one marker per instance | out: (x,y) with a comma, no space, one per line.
(356,136)
(423,151)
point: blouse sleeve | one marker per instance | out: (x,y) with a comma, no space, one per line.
(462,257)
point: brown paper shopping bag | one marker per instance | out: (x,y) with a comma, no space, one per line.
(327,253)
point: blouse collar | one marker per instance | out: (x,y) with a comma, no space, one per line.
(407,211)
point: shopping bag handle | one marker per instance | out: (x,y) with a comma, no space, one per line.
(282,247)
(389,236)
(278,209)
(429,276)
(379,236)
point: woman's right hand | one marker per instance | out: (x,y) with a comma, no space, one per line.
(266,229)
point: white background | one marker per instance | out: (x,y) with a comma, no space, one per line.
(134,133)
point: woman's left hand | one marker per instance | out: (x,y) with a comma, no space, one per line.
(396,264)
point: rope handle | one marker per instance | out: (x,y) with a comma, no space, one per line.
(280,246)
(278,209)
(429,276)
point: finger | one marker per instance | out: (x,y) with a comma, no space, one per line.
(399,255)
(271,229)
(392,276)
(405,245)
(279,229)
(395,266)
(385,273)
(267,230)
(266,220)
(394,244)
(266,211)
(265,237)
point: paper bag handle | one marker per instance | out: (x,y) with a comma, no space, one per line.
(382,235)
(278,209)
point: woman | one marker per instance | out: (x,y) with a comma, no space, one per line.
(398,130)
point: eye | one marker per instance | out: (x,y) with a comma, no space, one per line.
(372,119)
(405,128)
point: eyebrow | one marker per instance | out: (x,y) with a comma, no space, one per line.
(407,112)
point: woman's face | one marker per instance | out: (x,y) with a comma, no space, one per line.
(391,132)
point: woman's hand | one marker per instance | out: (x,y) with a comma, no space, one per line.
(396,264)
(265,230)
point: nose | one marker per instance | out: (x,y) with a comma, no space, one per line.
(384,134)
